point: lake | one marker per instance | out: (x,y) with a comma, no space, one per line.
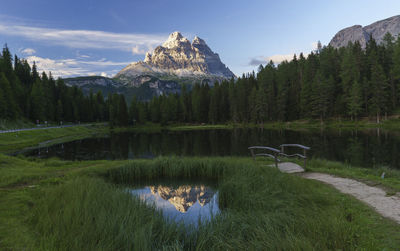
(367,148)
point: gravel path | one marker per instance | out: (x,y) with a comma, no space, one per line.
(388,206)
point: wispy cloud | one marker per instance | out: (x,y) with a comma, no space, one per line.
(258,60)
(84,39)
(28,51)
(74,67)
(140,50)
(277,59)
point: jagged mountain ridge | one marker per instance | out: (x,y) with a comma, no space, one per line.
(176,59)
(362,34)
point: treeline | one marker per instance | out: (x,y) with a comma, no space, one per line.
(349,82)
(24,93)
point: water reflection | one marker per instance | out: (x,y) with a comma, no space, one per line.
(366,148)
(184,203)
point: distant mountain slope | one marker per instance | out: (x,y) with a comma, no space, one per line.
(145,88)
(362,34)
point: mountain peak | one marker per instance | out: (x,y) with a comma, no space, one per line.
(175,39)
(198,40)
(147,58)
(180,58)
(175,35)
(362,34)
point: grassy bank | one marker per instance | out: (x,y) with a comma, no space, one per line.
(53,204)
(11,142)
(371,176)
(17,124)
(343,124)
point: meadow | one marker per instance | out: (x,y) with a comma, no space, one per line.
(53,204)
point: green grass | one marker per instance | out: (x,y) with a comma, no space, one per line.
(84,206)
(17,124)
(22,182)
(310,124)
(371,176)
(11,142)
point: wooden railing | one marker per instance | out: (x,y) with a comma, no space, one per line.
(303,156)
(275,152)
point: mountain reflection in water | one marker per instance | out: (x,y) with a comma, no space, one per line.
(183,203)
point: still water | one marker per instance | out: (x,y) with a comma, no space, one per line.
(185,203)
(366,148)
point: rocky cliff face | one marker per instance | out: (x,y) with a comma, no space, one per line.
(178,57)
(362,34)
(184,197)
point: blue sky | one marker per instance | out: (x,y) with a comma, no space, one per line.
(72,38)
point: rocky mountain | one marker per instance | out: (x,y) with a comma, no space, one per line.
(177,61)
(362,34)
(180,60)
(183,197)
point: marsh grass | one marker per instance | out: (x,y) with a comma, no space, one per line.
(262,209)
(89,214)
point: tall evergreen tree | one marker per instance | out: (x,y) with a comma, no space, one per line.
(122,111)
(378,95)
(355,101)
(37,107)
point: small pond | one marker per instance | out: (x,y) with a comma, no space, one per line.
(186,204)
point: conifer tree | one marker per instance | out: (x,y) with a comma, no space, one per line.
(378,95)
(215,99)
(355,101)
(395,71)
(133,111)
(37,107)
(59,111)
(122,111)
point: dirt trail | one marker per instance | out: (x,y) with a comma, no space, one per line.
(388,206)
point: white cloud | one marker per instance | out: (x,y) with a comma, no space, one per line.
(138,51)
(79,55)
(314,45)
(28,51)
(74,67)
(84,39)
(277,59)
